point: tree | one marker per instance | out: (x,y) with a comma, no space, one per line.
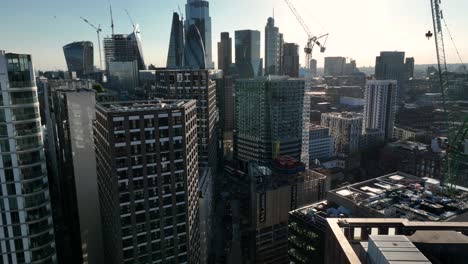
(98,88)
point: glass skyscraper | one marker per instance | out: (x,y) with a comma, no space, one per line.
(248,61)
(27,232)
(273,48)
(121,47)
(198,13)
(79,57)
(194,52)
(175,56)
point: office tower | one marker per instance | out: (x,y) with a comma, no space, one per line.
(175,56)
(194,51)
(321,144)
(346,129)
(349,67)
(313,67)
(27,234)
(197,85)
(148,180)
(281,36)
(197,13)
(248,61)
(269,118)
(124,48)
(271,191)
(70,148)
(334,66)
(79,57)
(390,65)
(272,48)
(225,52)
(226,102)
(123,78)
(291,60)
(380,106)
(409,68)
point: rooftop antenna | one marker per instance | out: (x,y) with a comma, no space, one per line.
(112,18)
(129,17)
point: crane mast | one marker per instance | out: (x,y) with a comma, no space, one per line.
(98,31)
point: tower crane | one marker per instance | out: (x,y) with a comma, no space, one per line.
(312,40)
(98,31)
(130,18)
(457,128)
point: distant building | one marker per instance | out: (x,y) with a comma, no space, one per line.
(79,57)
(148,180)
(273,47)
(371,138)
(27,228)
(350,68)
(346,130)
(380,106)
(390,65)
(291,60)
(225,52)
(194,51)
(313,67)
(197,13)
(124,48)
(409,68)
(334,66)
(123,78)
(248,61)
(175,56)
(269,118)
(407,133)
(321,144)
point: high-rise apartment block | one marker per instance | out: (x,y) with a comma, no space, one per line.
(79,57)
(346,129)
(148,181)
(380,106)
(390,65)
(269,118)
(27,230)
(248,61)
(273,47)
(334,66)
(291,60)
(225,52)
(197,13)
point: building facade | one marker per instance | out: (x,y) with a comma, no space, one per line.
(346,130)
(269,118)
(273,48)
(380,106)
(175,55)
(390,65)
(124,48)
(291,60)
(334,66)
(79,57)
(225,52)
(248,61)
(148,181)
(123,78)
(27,234)
(197,12)
(321,144)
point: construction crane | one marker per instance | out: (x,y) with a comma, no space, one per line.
(457,129)
(130,18)
(98,31)
(311,40)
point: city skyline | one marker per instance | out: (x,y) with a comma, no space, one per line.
(62,25)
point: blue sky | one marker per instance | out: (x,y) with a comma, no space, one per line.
(358,29)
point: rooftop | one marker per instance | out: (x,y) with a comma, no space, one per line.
(344,115)
(142,105)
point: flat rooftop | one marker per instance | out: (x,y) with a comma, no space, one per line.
(142,105)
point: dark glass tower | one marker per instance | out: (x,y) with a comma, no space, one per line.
(225,52)
(248,61)
(198,13)
(390,65)
(79,57)
(272,48)
(175,56)
(291,60)
(194,49)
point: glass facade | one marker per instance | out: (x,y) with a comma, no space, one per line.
(248,61)
(26,220)
(175,56)
(79,57)
(194,49)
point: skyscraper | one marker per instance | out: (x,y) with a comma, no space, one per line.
(269,118)
(148,181)
(334,66)
(291,60)
(27,234)
(380,106)
(272,48)
(390,65)
(225,52)
(123,78)
(124,48)
(313,67)
(409,67)
(79,57)
(248,61)
(175,56)
(197,13)
(346,130)
(194,50)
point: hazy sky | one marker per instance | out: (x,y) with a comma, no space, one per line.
(358,29)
